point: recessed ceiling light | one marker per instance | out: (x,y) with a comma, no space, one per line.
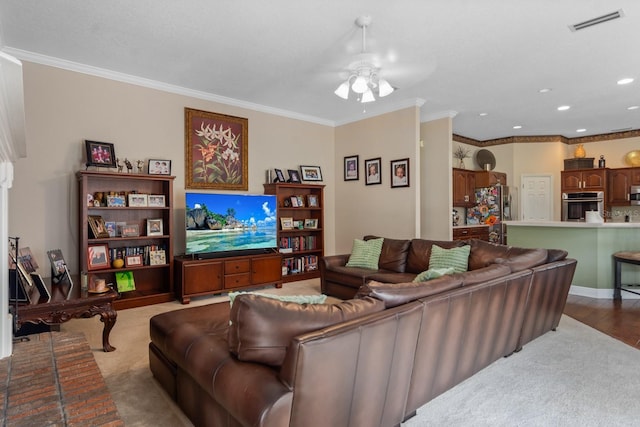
(625,81)
(633,107)
(517,127)
(581,130)
(563,107)
(545,90)
(483,114)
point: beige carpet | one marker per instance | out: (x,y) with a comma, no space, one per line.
(574,376)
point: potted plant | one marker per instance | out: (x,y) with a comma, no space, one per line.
(461,153)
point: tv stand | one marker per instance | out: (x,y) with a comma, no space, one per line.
(227,254)
(225,273)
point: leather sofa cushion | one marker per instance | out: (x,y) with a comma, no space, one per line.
(395,294)
(519,259)
(420,252)
(554,255)
(261,328)
(393,256)
(484,253)
(484,274)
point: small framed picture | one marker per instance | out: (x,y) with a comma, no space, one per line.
(98,257)
(111,228)
(294,201)
(98,227)
(100,154)
(372,171)
(130,230)
(298,223)
(116,202)
(156,200)
(157,257)
(279,176)
(133,260)
(312,200)
(286,223)
(293,175)
(351,168)
(400,173)
(154,227)
(119,226)
(137,200)
(311,223)
(159,167)
(311,173)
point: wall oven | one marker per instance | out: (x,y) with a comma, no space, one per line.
(634,195)
(574,205)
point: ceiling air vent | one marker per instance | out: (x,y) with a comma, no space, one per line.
(599,20)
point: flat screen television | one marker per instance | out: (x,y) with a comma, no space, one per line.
(220,224)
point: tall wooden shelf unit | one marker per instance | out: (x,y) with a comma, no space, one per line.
(154,283)
(301,253)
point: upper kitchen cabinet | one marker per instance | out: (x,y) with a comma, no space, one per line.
(464,185)
(619,186)
(584,179)
(489,178)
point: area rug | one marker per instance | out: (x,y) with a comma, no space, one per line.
(52,379)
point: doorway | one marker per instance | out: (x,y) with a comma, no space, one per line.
(536,201)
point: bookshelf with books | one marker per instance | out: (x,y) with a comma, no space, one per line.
(300,233)
(128,217)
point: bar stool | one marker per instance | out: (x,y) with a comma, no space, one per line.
(628,257)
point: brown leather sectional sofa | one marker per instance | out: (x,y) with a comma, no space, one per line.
(394,347)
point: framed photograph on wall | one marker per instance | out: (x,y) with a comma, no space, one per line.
(311,173)
(400,173)
(372,171)
(351,168)
(101,154)
(159,167)
(208,166)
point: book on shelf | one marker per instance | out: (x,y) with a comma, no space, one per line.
(298,243)
(302,264)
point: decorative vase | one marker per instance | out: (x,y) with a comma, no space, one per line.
(461,164)
(579,153)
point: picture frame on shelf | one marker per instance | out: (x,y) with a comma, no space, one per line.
(279,176)
(116,201)
(311,173)
(119,226)
(133,260)
(98,257)
(286,223)
(58,264)
(351,168)
(154,227)
(372,171)
(294,176)
(400,173)
(294,201)
(156,201)
(130,230)
(100,154)
(98,227)
(298,223)
(207,166)
(111,228)
(312,201)
(311,223)
(157,257)
(159,167)
(137,200)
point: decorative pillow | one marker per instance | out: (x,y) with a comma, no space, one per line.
(262,328)
(365,254)
(298,299)
(433,273)
(458,258)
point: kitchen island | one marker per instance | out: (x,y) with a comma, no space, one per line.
(592,244)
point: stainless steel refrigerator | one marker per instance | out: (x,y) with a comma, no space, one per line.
(493,207)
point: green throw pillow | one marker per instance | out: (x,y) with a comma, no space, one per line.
(433,273)
(457,258)
(300,299)
(365,254)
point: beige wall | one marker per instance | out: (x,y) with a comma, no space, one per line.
(63,108)
(377,209)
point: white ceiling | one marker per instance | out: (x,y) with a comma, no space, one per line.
(461,57)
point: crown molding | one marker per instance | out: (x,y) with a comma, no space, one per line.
(447,114)
(547,138)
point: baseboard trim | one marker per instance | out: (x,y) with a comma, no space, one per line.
(584,291)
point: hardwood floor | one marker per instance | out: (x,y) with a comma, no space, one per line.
(619,319)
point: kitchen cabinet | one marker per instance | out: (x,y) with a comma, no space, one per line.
(464,185)
(480,232)
(489,178)
(584,179)
(619,183)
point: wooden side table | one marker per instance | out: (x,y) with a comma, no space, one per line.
(628,257)
(64,306)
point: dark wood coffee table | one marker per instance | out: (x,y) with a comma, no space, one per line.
(65,306)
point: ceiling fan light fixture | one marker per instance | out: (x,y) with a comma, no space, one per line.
(360,85)
(384,88)
(343,90)
(367,97)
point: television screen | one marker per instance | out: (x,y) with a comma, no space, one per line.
(218,222)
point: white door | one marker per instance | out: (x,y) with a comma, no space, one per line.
(537,203)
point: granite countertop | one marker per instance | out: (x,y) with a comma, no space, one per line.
(572,224)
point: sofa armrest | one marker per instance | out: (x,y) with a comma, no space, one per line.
(334,261)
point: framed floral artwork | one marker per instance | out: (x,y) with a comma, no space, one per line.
(216,151)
